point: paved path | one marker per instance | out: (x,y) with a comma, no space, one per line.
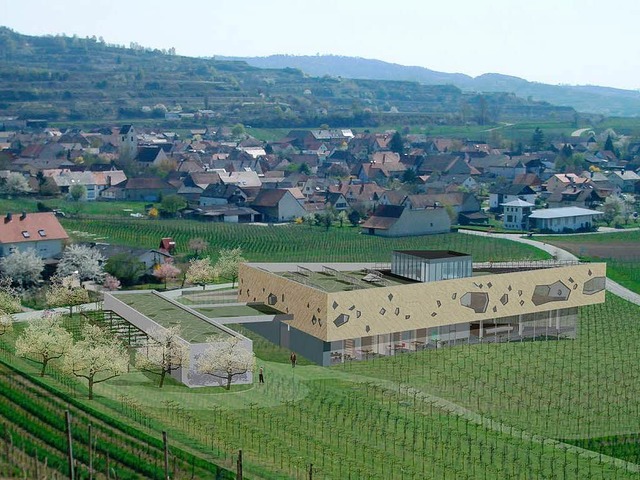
(577,133)
(560,254)
(557,253)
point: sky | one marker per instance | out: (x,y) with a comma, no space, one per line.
(585,42)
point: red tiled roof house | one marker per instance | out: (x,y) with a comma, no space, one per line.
(38,231)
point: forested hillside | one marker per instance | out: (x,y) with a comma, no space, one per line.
(584,98)
(71,78)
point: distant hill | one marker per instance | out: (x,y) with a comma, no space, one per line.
(83,79)
(592,99)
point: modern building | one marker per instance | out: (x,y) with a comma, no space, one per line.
(424,299)
(133,315)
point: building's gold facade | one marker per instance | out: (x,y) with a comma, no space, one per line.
(383,310)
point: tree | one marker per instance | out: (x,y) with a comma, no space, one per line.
(228,263)
(15,184)
(165,272)
(78,192)
(396,144)
(171,204)
(111,283)
(409,176)
(98,357)
(612,208)
(342,218)
(326,220)
(44,340)
(6,323)
(201,272)
(49,188)
(198,245)
(83,261)
(9,297)
(166,351)
(238,131)
(22,267)
(608,145)
(309,219)
(66,292)
(126,268)
(537,140)
(354,217)
(225,359)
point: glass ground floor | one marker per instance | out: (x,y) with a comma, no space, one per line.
(551,324)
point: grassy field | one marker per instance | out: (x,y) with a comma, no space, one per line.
(290,243)
(621,251)
(489,411)
(115,209)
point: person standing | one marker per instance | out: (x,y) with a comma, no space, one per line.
(293,359)
(261,375)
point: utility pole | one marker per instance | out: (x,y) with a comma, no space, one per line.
(166,455)
(239,466)
(67,416)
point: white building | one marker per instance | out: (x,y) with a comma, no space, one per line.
(516,214)
(567,219)
(40,232)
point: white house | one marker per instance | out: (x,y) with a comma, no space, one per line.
(401,221)
(40,232)
(516,214)
(566,219)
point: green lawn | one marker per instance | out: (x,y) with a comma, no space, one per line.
(294,243)
(193,328)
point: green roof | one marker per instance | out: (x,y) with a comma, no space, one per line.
(165,313)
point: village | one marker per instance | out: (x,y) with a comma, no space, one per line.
(390,184)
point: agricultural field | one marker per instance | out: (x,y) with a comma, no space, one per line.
(71,208)
(33,435)
(621,251)
(290,243)
(548,409)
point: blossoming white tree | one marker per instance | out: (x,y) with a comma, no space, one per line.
(96,358)
(15,184)
(44,340)
(9,297)
(198,245)
(229,262)
(66,292)
(225,359)
(22,267)
(165,352)
(201,272)
(85,262)
(6,323)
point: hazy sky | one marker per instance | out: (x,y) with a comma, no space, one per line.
(552,41)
